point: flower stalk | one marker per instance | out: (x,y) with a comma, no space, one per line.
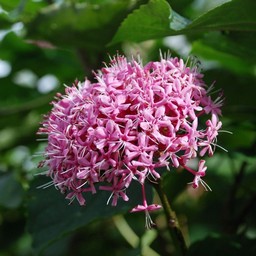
(172,221)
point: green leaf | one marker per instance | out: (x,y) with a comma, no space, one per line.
(11,192)
(156,19)
(4,21)
(50,217)
(153,20)
(79,25)
(239,44)
(236,15)
(21,10)
(223,245)
(230,54)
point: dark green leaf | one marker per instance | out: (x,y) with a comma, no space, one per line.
(234,50)
(50,216)
(175,183)
(241,109)
(4,21)
(223,55)
(82,25)
(11,192)
(223,245)
(236,15)
(25,56)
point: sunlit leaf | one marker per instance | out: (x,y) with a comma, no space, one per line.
(156,19)
(153,20)
(236,15)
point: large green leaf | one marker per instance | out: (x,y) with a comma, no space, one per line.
(153,20)
(156,19)
(50,217)
(236,15)
(79,25)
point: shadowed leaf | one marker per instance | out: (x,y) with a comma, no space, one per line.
(51,217)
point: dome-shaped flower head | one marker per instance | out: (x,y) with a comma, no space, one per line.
(122,128)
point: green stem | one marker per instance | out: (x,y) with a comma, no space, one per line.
(172,221)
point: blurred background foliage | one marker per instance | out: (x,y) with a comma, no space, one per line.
(45,44)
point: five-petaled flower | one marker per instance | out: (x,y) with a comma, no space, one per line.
(127,124)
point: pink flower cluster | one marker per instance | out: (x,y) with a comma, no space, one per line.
(122,128)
